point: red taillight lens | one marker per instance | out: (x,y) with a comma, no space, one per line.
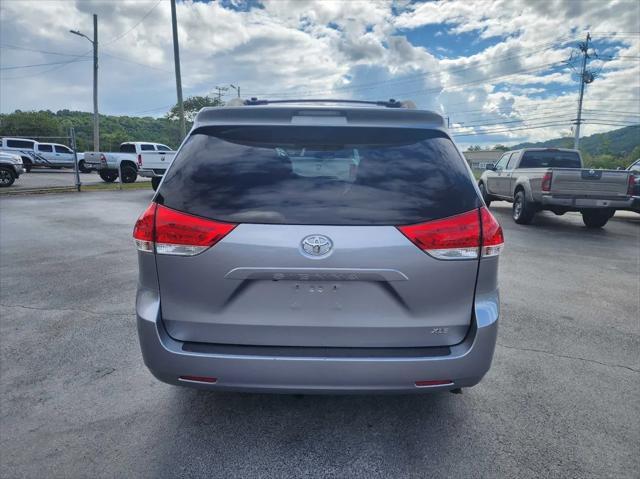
(143,233)
(632,184)
(492,236)
(458,237)
(139,160)
(546,181)
(176,233)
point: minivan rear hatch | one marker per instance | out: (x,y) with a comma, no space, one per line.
(312,254)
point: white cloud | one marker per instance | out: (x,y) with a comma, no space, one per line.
(341,49)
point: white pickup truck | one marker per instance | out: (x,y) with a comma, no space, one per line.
(153,164)
(34,153)
(127,160)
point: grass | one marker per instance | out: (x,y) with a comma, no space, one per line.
(145,185)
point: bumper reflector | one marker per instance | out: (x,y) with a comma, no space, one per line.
(437,382)
(198,379)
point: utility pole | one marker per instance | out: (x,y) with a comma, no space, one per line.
(236,88)
(96,117)
(585,77)
(176,59)
(94,42)
(220,90)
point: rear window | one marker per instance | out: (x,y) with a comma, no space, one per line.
(550,159)
(20,144)
(45,148)
(127,148)
(146,147)
(311,175)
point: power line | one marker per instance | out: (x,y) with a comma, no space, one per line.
(44,71)
(136,63)
(36,65)
(115,39)
(420,76)
(16,47)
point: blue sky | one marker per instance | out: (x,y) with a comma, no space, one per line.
(502,71)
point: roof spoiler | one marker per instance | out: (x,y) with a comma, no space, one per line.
(391,103)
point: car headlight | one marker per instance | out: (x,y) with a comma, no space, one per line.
(17,160)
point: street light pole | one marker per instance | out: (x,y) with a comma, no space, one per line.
(94,42)
(236,88)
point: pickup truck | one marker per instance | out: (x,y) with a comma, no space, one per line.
(153,164)
(127,160)
(536,179)
(10,168)
(34,153)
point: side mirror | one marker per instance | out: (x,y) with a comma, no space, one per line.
(491,167)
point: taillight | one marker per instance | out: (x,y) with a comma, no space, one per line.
(458,237)
(632,185)
(546,181)
(173,232)
(143,231)
(103,158)
(139,160)
(492,236)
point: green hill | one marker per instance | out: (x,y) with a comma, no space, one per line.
(616,143)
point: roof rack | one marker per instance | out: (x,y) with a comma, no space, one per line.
(388,104)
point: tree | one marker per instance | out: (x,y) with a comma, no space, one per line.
(501,148)
(474,148)
(192,106)
(31,123)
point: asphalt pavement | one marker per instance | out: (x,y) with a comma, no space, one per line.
(561,400)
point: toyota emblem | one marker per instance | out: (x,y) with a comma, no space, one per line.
(316,245)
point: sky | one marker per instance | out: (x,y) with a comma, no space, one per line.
(501,71)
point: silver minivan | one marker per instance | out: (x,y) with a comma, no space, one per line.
(318,247)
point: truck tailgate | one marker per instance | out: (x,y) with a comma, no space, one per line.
(589,183)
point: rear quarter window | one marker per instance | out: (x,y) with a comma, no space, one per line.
(128,148)
(311,175)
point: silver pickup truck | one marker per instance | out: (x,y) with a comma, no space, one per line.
(553,179)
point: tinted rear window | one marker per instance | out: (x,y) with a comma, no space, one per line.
(20,144)
(311,175)
(128,148)
(550,159)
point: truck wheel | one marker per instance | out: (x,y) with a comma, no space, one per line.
(129,174)
(82,168)
(7,177)
(523,212)
(108,175)
(485,196)
(155,182)
(596,218)
(26,164)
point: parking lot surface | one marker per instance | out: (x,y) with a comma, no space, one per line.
(561,400)
(48,178)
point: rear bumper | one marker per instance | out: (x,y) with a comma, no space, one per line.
(95,165)
(464,365)
(580,203)
(149,173)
